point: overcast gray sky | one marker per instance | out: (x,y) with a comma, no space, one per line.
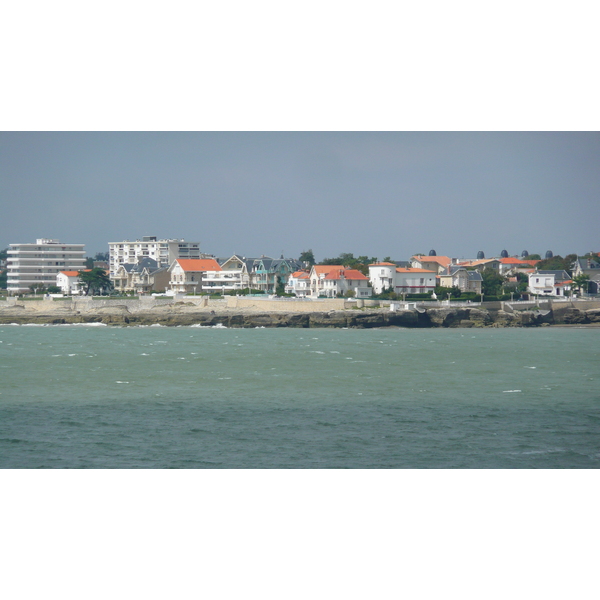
(377,194)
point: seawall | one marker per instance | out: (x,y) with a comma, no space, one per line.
(252,312)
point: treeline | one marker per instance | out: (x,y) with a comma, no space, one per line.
(347,259)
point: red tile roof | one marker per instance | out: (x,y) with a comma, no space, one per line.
(352,274)
(440,260)
(324,269)
(411,270)
(511,261)
(199,264)
(382,264)
(74,273)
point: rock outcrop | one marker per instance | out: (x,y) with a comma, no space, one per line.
(182,314)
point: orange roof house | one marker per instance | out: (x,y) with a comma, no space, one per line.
(439,263)
(186,273)
(198,264)
(351,274)
(330,280)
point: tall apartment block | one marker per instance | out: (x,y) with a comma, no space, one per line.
(164,252)
(31,264)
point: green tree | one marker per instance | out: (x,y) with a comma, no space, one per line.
(581,282)
(558,263)
(345,259)
(442,292)
(102,256)
(3,272)
(492,282)
(37,288)
(53,289)
(95,280)
(280,286)
(308,257)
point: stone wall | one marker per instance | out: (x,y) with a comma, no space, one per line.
(288,305)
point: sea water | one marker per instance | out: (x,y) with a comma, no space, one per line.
(190,397)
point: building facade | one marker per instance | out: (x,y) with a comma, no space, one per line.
(401,280)
(145,276)
(68,282)
(40,263)
(549,283)
(164,252)
(186,275)
(462,278)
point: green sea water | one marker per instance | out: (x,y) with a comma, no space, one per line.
(191,397)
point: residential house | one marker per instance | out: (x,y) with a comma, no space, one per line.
(317,277)
(187,273)
(268,273)
(415,281)
(386,276)
(144,276)
(431,263)
(298,284)
(591,267)
(231,275)
(461,277)
(511,266)
(549,283)
(382,276)
(68,282)
(483,263)
(262,273)
(345,282)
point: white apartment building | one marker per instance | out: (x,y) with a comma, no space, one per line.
(401,280)
(164,252)
(40,263)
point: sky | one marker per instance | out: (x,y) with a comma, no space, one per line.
(378,194)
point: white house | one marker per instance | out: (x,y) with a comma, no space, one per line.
(317,276)
(402,280)
(343,282)
(68,282)
(382,276)
(414,281)
(549,283)
(187,274)
(298,284)
(232,274)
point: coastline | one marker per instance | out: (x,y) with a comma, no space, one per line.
(300,314)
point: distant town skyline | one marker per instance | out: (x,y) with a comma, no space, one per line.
(377,194)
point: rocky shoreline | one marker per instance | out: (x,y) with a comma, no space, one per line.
(182,314)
